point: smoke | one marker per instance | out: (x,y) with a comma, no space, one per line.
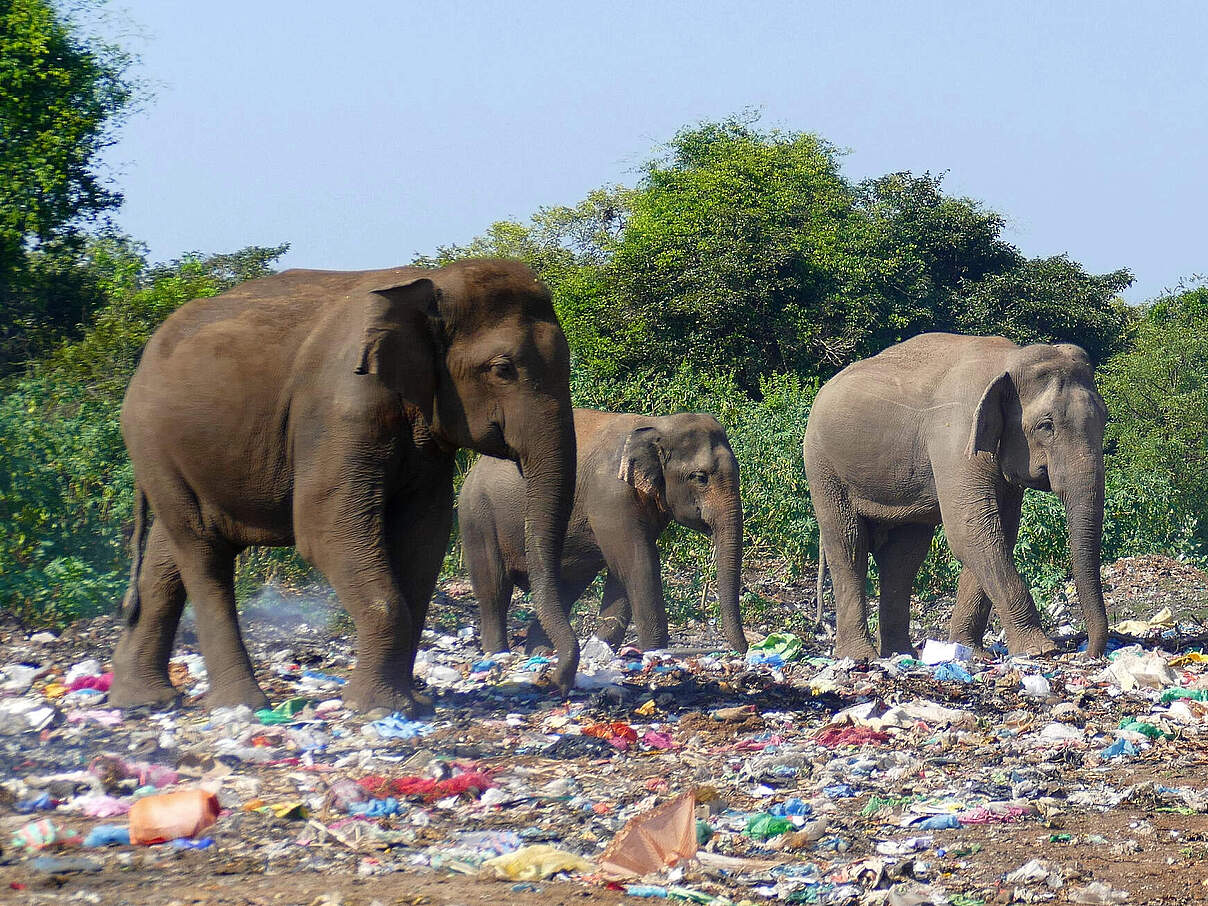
(274,614)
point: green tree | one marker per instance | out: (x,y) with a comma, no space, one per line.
(62,95)
(65,480)
(1157,395)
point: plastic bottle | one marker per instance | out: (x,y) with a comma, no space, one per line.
(169,816)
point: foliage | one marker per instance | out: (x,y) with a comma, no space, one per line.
(65,482)
(1157,394)
(62,95)
(747,252)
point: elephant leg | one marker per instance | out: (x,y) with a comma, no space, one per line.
(536,640)
(492,583)
(898,561)
(844,536)
(977,535)
(615,613)
(634,562)
(140,661)
(360,570)
(208,569)
(419,537)
(971,613)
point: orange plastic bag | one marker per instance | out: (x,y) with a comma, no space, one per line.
(169,816)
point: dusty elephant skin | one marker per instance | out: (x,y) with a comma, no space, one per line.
(945,429)
(636,475)
(322,409)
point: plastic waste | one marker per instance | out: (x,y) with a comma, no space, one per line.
(61,865)
(535,863)
(169,816)
(653,840)
(398,727)
(934,652)
(779,646)
(108,835)
(1097,892)
(763,826)
(1119,748)
(937,822)
(1035,685)
(285,712)
(41,834)
(952,672)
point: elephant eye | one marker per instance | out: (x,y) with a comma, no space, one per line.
(503,369)
(1045,425)
(698,477)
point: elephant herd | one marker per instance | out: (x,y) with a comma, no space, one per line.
(324,409)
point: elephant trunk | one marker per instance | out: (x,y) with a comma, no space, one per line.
(727,555)
(1083,502)
(548,463)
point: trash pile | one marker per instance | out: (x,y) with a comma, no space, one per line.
(690,774)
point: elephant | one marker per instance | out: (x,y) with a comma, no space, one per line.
(950,430)
(636,474)
(323,410)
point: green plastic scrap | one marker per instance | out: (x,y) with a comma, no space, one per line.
(697,896)
(877,803)
(959,899)
(1198,695)
(1140,726)
(704,831)
(284,712)
(785,644)
(761,826)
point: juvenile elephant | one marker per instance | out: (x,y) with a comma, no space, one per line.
(636,474)
(945,429)
(322,409)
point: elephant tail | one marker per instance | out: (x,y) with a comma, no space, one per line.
(821,582)
(138,544)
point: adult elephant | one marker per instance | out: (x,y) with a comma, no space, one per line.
(636,475)
(946,429)
(322,409)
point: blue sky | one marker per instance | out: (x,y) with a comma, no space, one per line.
(364,132)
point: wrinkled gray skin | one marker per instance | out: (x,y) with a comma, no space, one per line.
(946,429)
(322,409)
(636,475)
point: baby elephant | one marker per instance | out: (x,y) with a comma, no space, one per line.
(635,475)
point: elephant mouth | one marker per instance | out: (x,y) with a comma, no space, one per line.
(493,444)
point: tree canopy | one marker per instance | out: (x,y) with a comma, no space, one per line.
(747,251)
(62,95)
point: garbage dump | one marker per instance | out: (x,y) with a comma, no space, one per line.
(692,774)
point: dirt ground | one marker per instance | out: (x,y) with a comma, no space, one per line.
(1097,820)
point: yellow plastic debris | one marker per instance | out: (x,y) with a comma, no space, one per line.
(535,863)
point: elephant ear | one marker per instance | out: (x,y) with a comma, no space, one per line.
(398,342)
(642,463)
(986,433)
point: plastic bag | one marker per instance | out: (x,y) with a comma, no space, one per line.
(169,816)
(535,863)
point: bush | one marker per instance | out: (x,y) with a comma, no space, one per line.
(66,485)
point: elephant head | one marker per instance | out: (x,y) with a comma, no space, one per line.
(684,465)
(501,368)
(1044,419)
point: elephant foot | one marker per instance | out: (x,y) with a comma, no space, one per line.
(859,650)
(140,693)
(231,695)
(564,673)
(369,696)
(900,646)
(1030,642)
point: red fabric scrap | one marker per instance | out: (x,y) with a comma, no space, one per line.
(851,736)
(473,782)
(619,733)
